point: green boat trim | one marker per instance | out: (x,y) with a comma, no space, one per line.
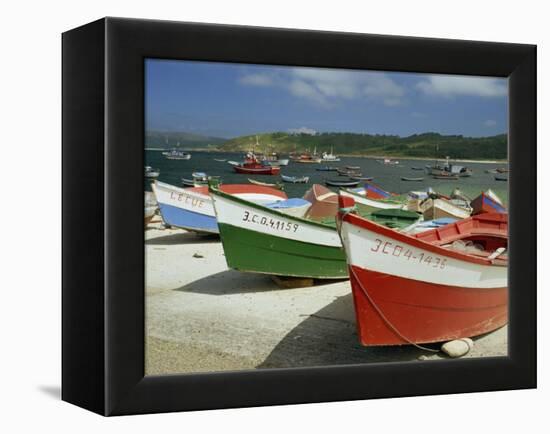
(397,200)
(256,252)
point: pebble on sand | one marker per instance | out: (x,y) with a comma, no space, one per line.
(458,347)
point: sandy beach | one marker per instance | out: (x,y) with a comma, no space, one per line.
(201,316)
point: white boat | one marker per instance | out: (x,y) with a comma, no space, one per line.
(358,194)
(176,154)
(295,179)
(326,157)
(151,173)
(432,209)
(192,208)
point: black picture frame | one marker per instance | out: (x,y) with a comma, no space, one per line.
(103,240)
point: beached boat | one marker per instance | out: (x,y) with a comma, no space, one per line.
(369,204)
(295,179)
(487,202)
(296,207)
(150,207)
(501,177)
(261,239)
(192,209)
(435,208)
(404,178)
(151,173)
(376,192)
(277,185)
(431,287)
(176,154)
(264,240)
(324,202)
(342,182)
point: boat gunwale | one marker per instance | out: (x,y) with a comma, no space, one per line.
(356,220)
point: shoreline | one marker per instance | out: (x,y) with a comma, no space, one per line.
(372,157)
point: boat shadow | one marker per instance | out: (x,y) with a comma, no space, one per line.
(182,238)
(329,337)
(230,282)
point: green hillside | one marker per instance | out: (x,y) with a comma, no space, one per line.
(170,139)
(427,145)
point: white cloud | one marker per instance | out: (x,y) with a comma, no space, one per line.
(327,87)
(302,130)
(449,86)
(256,80)
(490,123)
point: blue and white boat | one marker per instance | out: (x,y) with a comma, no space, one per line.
(192,208)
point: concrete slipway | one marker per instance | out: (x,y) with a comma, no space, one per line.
(201,316)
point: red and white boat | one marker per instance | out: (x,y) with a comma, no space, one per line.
(252,166)
(439,285)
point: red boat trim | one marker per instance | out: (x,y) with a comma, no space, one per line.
(356,220)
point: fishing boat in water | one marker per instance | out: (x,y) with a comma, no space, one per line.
(176,154)
(252,166)
(329,157)
(446,177)
(443,284)
(151,173)
(448,169)
(295,179)
(192,208)
(342,182)
(198,179)
(266,184)
(404,178)
(326,169)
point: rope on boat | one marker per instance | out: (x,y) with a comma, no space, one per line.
(375,306)
(386,320)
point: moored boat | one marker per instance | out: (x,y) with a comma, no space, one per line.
(176,154)
(342,182)
(257,169)
(151,173)
(326,169)
(431,287)
(501,177)
(329,156)
(295,179)
(192,209)
(404,178)
(446,177)
(266,184)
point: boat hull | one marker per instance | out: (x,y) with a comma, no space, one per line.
(370,205)
(267,170)
(192,208)
(420,311)
(260,240)
(406,290)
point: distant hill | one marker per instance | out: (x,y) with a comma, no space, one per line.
(170,139)
(427,145)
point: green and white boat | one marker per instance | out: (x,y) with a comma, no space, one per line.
(258,239)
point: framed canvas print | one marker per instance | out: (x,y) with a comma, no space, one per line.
(258,216)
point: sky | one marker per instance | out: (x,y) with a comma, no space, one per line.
(229,100)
